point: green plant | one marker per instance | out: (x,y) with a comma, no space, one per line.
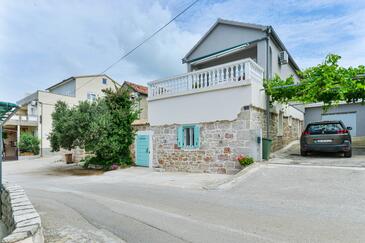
(112,131)
(103,127)
(245,160)
(327,82)
(29,143)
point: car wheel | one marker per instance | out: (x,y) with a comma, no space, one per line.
(303,153)
(348,154)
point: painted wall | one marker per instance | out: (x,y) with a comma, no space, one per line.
(208,106)
(85,85)
(47,101)
(217,40)
(315,114)
(65,89)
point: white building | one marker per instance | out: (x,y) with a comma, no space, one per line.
(203,119)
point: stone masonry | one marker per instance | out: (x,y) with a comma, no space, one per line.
(291,131)
(220,144)
(20,217)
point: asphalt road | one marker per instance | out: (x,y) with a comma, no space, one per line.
(271,203)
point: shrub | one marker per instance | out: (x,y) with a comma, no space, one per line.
(245,160)
(29,143)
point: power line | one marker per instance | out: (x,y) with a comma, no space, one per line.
(140,44)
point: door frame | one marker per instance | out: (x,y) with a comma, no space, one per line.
(150,146)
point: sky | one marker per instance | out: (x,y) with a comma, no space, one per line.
(45,41)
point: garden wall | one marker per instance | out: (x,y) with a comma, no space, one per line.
(20,217)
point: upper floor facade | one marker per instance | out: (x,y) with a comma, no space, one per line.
(225,72)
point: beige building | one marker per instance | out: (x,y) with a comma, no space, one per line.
(139,93)
(34,116)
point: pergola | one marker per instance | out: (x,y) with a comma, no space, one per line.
(6,111)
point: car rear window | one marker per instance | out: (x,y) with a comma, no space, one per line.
(328,128)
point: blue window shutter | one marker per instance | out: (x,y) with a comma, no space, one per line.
(196,136)
(180,137)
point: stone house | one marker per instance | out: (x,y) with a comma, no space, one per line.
(200,121)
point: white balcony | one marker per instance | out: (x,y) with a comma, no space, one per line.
(242,72)
(26,120)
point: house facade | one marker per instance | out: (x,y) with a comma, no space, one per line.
(35,111)
(200,121)
(139,94)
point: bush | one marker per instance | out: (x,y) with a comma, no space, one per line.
(245,160)
(29,143)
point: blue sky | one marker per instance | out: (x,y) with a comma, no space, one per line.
(45,41)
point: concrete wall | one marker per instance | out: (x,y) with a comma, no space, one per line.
(315,114)
(208,106)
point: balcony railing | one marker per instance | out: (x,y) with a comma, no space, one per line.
(24,118)
(237,72)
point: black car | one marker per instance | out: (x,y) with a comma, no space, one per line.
(326,136)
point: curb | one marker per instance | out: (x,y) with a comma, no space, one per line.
(234,179)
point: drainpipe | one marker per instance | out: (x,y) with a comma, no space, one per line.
(268,31)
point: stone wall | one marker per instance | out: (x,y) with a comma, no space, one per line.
(291,131)
(220,144)
(20,217)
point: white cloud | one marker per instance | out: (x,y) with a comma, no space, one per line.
(43,42)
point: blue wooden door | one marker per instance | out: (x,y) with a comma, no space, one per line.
(143,150)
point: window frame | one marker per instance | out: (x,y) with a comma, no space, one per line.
(91,94)
(196,137)
(104,81)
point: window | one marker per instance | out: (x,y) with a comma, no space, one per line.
(328,128)
(280,123)
(104,81)
(91,96)
(188,136)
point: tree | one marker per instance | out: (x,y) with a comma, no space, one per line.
(103,127)
(327,82)
(113,132)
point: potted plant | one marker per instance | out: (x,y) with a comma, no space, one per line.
(245,160)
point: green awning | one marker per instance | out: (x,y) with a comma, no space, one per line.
(6,111)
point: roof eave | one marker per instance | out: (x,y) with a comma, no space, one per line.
(222,21)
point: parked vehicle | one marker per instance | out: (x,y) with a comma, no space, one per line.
(326,136)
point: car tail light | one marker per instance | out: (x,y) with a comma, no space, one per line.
(343,131)
(306,133)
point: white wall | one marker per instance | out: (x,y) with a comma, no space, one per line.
(208,106)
